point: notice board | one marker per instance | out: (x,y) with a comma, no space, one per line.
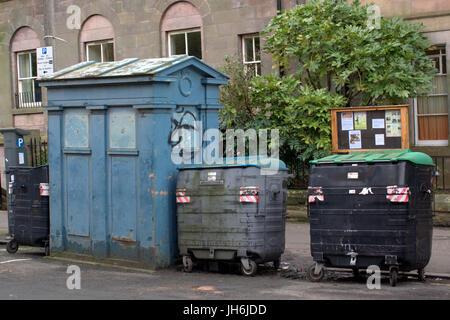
(370,128)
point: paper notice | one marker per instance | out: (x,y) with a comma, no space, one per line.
(379,139)
(347,120)
(377,123)
(393,123)
(354,139)
(21,158)
(360,120)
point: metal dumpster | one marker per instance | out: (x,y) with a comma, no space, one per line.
(28,208)
(231,213)
(371,208)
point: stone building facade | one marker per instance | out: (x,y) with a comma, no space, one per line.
(80,30)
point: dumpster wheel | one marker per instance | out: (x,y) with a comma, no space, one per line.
(393,277)
(187,264)
(251,270)
(313,276)
(421,274)
(47,249)
(12,246)
(277,263)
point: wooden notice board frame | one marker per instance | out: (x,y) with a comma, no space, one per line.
(340,138)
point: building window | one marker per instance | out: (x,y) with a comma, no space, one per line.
(28,92)
(181,30)
(186,42)
(100,51)
(251,54)
(431,120)
(97,39)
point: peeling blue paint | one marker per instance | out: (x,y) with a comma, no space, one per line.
(110,158)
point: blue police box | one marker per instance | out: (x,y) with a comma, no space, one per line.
(112,181)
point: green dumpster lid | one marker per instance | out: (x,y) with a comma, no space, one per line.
(248,161)
(378,156)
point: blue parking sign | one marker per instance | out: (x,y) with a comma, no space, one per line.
(20,142)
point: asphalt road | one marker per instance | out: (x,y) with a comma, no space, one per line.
(298,251)
(29,275)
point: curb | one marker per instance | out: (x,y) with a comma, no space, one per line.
(437,275)
(100,264)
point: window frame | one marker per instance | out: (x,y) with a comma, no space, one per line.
(101,43)
(432,143)
(255,62)
(185,32)
(34,103)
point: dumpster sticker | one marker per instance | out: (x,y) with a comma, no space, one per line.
(181,196)
(212,176)
(249,194)
(396,194)
(366,191)
(44,189)
(352,175)
(317,194)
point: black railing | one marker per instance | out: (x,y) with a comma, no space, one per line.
(442,181)
(28,100)
(38,152)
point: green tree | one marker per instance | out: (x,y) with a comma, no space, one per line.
(334,60)
(235,96)
(300,113)
(334,47)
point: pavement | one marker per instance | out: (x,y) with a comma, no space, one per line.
(298,251)
(3,223)
(28,274)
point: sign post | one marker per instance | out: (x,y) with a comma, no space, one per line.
(44,57)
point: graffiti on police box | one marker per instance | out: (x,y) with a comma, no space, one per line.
(183,128)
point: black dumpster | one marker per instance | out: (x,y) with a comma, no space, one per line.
(28,208)
(232,213)
(371,208)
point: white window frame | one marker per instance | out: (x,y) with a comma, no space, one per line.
(431,143)
(185,32)
(255,62)
(19,80)
(96,43)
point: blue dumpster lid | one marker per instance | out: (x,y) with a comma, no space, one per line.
(378,156)
(130,67)
(252,161)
